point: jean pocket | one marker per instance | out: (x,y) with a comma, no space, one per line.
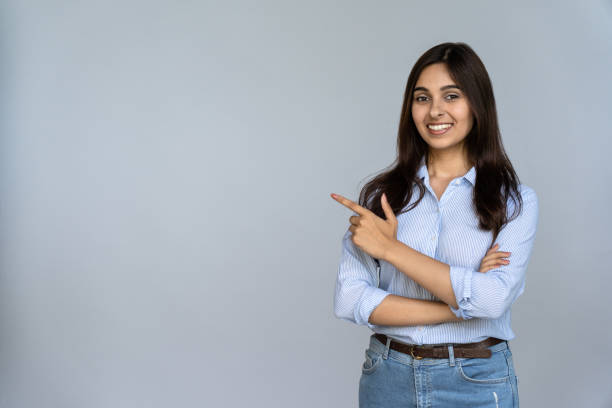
(372,361)
(491,370)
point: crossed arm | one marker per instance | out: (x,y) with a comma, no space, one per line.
(359,299)
(397,310)
(428,272)
(465,293)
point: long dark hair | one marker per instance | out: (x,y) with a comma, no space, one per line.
(496,180)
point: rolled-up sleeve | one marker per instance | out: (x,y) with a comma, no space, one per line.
(357,293)
(489,295)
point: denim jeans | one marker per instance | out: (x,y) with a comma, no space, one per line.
(390,378)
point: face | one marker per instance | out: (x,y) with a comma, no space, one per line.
(438,100)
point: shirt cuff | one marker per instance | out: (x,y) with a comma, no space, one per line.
(370,299)
(461,280)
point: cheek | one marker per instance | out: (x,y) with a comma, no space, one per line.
(417,115)
(465,115)
(469,120)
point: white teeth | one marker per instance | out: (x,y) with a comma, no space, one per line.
(439,127)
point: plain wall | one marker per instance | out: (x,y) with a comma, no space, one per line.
(168,238)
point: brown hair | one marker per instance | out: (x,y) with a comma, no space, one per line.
(496,179)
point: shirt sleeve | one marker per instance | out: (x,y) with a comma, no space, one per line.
(357,293)
(489,295)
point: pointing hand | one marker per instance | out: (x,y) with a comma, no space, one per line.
(372,234)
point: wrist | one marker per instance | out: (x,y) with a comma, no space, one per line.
(392,248)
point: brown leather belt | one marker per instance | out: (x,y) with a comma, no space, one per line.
(461,350)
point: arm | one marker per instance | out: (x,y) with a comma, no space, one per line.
(357,292)
(428,272)
(490,295)
(402,311)
(469,293)
(357,296)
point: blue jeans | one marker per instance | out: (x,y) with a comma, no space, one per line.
(390,378)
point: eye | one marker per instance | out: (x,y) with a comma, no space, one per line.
(420,98)
(455,96)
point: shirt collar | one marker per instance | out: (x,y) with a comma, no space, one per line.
(423,173)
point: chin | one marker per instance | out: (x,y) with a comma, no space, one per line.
(442,144)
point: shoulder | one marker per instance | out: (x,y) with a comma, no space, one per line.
(529,199)
(528,194)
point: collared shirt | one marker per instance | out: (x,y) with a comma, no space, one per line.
(446,230)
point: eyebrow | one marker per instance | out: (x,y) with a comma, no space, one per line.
(422,88)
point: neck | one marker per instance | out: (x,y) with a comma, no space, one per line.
(446,165)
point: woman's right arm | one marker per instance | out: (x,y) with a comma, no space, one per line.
(397,310)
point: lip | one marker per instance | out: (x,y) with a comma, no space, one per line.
(439,132)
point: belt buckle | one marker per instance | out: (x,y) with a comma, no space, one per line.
(412,353)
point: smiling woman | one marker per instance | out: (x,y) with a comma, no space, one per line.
(428,107)
(421,264)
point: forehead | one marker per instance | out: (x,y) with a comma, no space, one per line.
(434,76)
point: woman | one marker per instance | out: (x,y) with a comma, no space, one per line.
(438,250)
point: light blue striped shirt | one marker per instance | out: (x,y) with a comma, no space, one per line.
(446,230)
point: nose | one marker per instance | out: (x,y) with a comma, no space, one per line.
(436,109)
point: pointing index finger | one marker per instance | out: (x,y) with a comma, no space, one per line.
(349,204)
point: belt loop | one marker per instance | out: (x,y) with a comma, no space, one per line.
(451,355)
(386,352)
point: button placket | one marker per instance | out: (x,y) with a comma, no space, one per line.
(436,235)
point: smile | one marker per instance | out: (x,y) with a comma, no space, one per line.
(439,129)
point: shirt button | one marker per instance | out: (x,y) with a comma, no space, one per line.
(420,328)
(433,238)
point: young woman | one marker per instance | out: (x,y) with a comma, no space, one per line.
(438,249)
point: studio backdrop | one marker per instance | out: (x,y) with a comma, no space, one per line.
(168,238)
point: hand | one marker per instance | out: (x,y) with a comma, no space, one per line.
(371,233)
(493,259)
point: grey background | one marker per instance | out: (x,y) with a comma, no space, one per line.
(167,234)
